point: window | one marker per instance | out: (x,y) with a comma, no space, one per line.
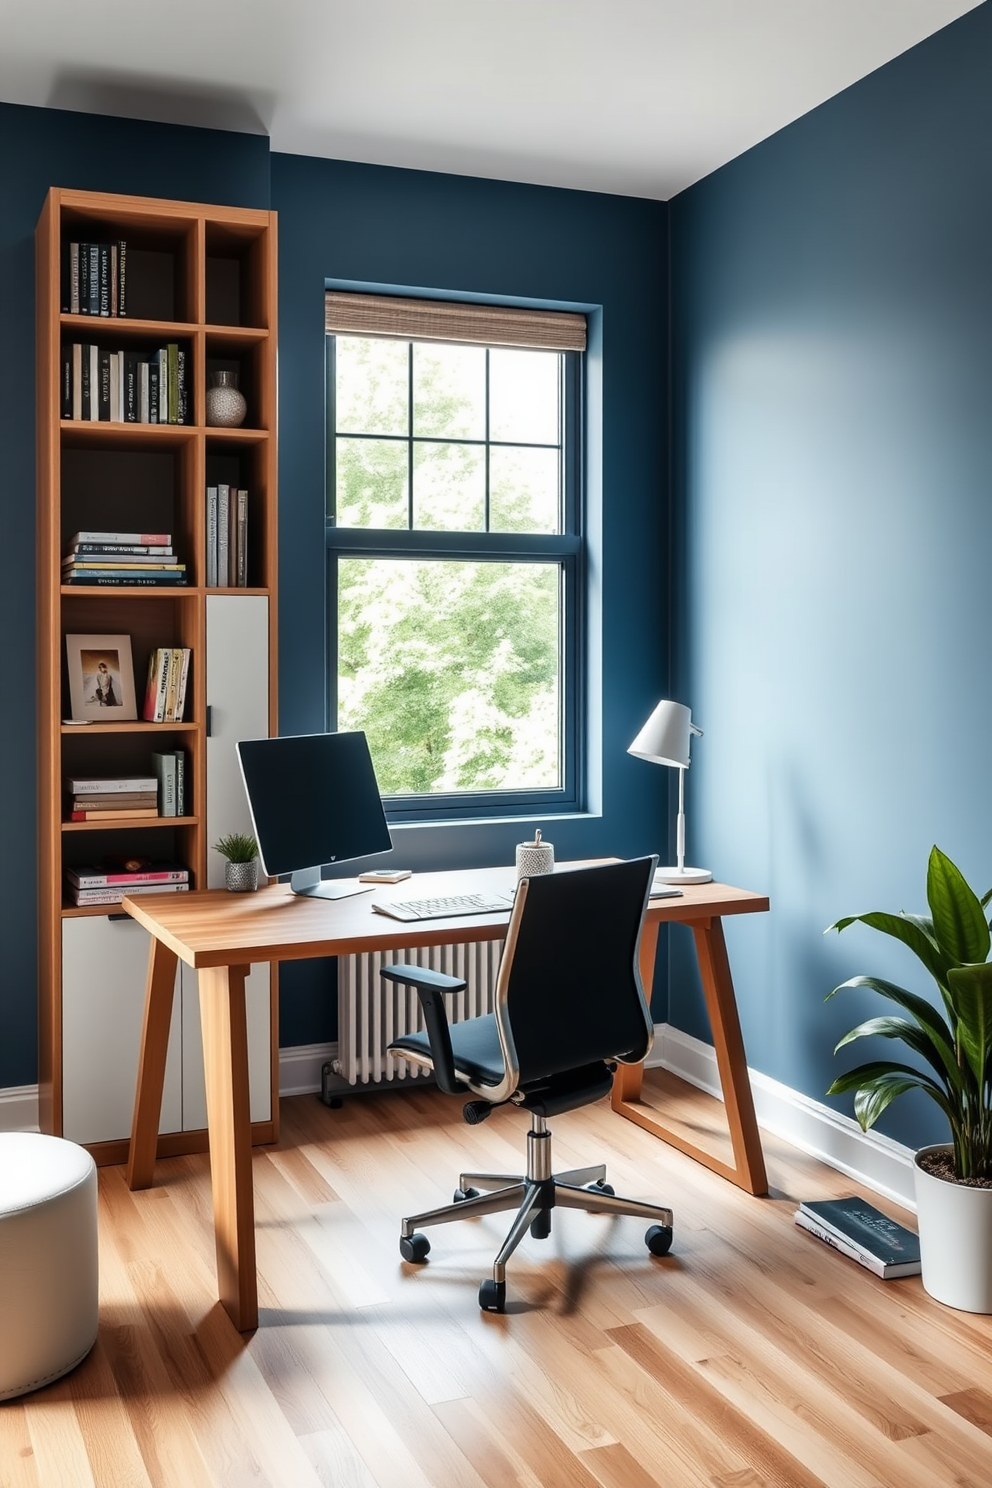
(453,536)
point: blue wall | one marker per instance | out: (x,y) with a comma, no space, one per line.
(422,231)
(370,224)
(832,340)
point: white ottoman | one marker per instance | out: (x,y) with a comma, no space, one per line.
(48,1259)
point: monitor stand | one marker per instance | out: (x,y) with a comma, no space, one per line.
(308,883)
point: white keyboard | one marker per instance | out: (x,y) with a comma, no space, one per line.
(444,908)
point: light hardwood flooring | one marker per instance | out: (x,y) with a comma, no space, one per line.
(750,1355)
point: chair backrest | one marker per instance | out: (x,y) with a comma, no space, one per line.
(569,990)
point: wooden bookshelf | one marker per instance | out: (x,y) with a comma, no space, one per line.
(205,278)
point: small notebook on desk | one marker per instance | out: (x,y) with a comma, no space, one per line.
(661,890)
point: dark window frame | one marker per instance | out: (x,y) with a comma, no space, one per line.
(566,548)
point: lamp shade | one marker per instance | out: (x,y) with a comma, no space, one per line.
(664,739)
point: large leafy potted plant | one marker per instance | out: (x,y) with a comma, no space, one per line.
(954,1054)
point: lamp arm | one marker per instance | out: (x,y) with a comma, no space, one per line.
(680,824)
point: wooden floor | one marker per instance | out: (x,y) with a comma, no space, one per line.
(751,1355)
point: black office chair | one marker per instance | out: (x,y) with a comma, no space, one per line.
(569,1007)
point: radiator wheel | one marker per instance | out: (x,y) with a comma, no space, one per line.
(600,1187)
(492,1295)
(461,1194)
(415,1247)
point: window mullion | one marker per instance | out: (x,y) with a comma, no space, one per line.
(486,523)
(409,437)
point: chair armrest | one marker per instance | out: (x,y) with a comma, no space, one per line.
(429,986)
(422,976)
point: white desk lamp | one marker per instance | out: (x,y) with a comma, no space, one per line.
(664,740)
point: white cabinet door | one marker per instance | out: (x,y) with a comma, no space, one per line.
(104,970)
(238,696)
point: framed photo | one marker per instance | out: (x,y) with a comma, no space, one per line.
(101,678)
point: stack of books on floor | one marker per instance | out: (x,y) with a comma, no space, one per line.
(858,1230)
(122,558)
(124,387)
(112,798)
(108,881)
(95,279)
(165,694)
(227,537)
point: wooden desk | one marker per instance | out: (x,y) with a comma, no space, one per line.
(222,934)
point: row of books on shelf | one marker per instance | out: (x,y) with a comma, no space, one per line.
(165,694)
(116,799)
(95,279)
(858,1230)
(124,387)
(129,558)
(110,879)
(227,537)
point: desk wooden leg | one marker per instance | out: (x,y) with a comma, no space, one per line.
(748,1170)
(159,993)
(225,1065)
(728,1042)
(629,1077)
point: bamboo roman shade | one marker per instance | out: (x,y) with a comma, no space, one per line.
(452,320)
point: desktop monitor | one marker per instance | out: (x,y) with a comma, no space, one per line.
(313,799)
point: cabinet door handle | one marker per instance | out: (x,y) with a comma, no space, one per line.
(208,722)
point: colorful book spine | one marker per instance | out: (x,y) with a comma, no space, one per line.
(211,537)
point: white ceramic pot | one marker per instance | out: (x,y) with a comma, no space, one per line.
(955,1224)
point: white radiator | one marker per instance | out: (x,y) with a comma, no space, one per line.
(371,1012)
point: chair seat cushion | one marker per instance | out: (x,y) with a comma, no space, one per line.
(475,1044)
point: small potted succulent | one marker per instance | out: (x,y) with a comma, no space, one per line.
(953,1066)
(241,869)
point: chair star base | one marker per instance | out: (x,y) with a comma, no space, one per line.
(533,1195)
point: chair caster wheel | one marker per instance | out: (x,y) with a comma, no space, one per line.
(461,1194)
(492,1295)
(659,1239)
(415,1247)
(601,1186)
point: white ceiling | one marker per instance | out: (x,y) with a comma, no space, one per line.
(640,97)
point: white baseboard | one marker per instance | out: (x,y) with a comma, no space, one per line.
(868,1157)
(19,1108)
(300,1067)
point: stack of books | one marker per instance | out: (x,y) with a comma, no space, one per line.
(124,387)
(95,279)
(112,798)
(862,1232)
(165,694)
(107,882)
(122,558)
(227,537)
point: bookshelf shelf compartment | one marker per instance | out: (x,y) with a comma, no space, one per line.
(203,277)
(141,824)
(85,327)
(97,730)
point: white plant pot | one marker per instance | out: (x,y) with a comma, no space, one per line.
(955,1224)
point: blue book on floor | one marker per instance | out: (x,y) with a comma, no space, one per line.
(868,1230)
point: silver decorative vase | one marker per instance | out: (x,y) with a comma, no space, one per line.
(241,878)
(226,405)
